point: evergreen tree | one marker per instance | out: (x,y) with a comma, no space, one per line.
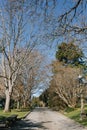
(69,53)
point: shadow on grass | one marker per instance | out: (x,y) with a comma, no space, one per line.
(76,117)
(83,122)
(69,109)
(2,121)
(2,118)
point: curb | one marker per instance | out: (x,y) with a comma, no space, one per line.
(26,115)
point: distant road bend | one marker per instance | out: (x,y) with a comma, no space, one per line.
(45,119)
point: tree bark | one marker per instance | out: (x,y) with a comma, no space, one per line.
(7,102)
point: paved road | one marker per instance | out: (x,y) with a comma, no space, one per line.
(45,119)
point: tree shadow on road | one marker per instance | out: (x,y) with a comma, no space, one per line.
(28,125)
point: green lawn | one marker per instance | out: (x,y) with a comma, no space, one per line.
(20,113)
(75,115)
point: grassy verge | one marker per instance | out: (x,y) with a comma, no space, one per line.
(20,113)
(75,115)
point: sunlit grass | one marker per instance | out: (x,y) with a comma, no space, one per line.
(20,113)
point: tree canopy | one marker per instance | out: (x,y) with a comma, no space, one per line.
(69,53)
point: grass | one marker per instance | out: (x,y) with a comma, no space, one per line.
(75,115)
(20,113)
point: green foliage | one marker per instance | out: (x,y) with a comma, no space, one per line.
(69,53)
(45,97)
(52,100)
(35,102)
(55,102)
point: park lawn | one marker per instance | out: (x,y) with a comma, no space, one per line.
(20,113)
(75,115)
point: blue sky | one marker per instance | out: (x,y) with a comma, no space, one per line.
(37,30)
(39,27)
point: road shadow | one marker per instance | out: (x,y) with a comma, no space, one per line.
(28,125)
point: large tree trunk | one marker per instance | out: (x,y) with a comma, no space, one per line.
(24,104)
(7,102)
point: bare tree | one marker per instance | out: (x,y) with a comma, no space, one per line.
(12,43)
(65,83)
(65,18)
(73,20)
(32,74)
(14,36)
(30,78)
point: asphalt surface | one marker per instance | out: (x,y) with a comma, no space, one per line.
(45,119)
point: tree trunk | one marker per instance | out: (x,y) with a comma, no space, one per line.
(18,104)
(24,104)
(82,114)
(82,104)
(7,102)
